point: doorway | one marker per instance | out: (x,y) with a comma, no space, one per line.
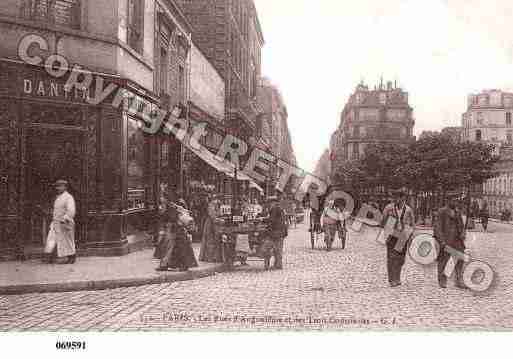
(51,154)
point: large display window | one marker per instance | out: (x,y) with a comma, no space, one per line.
(138,162)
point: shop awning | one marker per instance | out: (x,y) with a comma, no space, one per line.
(257,187)
(223,166)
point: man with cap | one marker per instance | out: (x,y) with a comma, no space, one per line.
(404,221)
(450,233)
(61,236)
(278,230)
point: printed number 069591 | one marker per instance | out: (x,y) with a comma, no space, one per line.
(70,345)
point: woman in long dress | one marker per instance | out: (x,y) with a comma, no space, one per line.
(163,237)
(179,254)
(211,250)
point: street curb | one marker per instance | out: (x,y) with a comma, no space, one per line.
(499,221)
(92,285)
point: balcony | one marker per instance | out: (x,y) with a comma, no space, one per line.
(58,12)
(244,109)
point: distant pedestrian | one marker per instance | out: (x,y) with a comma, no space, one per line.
(450,232)
(61,237)
(404,224)
(475,209)
(341,223)
(484,214)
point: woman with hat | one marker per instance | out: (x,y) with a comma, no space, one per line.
(211,249)
(179,254)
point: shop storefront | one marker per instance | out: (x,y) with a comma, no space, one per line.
(200,175)
(113,168)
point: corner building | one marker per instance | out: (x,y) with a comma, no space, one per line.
(488,119)
(379,115)
(48,132)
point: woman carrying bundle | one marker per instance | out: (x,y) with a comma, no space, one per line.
(179,254)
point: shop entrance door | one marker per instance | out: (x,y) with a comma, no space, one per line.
(51,154)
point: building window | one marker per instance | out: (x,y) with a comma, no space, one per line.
(251,80)
(508,118)
(59,12)
(356,151)
(181,84)
(383,98)
(163,71)
(478,135)
(135,24)
(509,137)
(164,38)
(356,131)
(479,118)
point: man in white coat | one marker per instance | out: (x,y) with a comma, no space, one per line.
(61,236)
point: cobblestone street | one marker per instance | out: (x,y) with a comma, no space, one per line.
(337,290)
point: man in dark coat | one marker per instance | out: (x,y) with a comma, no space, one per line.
(484,214)
(278,230)
(450,232)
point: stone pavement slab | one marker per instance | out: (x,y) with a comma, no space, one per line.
(93,273)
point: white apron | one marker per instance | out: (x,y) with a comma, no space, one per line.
(62,228)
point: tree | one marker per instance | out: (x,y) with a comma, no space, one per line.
(431,166)
(382,164)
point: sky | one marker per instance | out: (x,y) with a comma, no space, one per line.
(439,51)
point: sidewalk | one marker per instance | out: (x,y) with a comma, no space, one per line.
(94,273)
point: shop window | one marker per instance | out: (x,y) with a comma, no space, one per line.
(138,164)
(135,24)
(58,12)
